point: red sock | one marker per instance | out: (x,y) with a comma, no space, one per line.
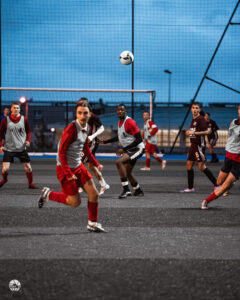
(93,211)
(148,162)
(212,197)
(29,177)
(4,178)
(159,159)
(58,197)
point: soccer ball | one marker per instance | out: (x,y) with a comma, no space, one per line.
(126,57)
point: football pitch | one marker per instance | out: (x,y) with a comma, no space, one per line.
(160,246)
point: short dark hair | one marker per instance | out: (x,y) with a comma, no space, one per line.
(196,103)
(84,100)
(146,112)
(207,113)
(121,104)
(15,103)
(82,104)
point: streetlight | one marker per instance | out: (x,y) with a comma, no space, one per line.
(23,100)
(169,100)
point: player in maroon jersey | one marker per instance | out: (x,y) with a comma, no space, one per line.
(212,137)
(96,128)
(15,136)
(199,128)
(130,139)
(150,137)
(71,172)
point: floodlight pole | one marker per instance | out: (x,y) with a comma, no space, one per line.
(133,60)
(205,74)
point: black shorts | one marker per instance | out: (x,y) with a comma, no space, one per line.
(135,154)
(212,139)
(231,166)
(196,153)
(9,156)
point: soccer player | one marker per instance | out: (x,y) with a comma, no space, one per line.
(130,139)
(150,137)
(212,137)
(5,114)
(96,128)
(16,133)
(71,172)
(230,172)
(199,128)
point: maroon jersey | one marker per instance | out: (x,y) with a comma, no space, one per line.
(213,126)
(198,124)
(94,123)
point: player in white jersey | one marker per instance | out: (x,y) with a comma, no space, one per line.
(150,137)
(15,136)
(230,172)
(129,137)
(71,172)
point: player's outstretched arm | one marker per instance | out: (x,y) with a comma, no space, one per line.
(90,156)
(97,133)
(112,140)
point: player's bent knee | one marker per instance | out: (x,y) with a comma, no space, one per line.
(74,201)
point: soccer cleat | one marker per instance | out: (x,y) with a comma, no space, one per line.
(95,227)
(104,188)
(32,186)
(125,195)
(204,205)
(145,169)
(164,163)
(138,192)
(43,197)
(187,190)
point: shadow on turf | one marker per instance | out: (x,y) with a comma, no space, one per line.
(199,208)
(20,235)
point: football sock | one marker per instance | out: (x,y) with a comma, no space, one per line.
(4,178)
(159,159)
(190,174)
(29,177)
(212,197)
(148,160)
(210,176)
(58,197)
(93,211)
(136,186)
(125,184)
(102,182)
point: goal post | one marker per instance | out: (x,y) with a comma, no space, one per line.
(11,96)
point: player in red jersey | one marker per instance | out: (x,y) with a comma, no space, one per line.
(199,128)
(96,128)
(130,139)
(230,171)
(212,137)
(15,136)
(150,137)
(71,172)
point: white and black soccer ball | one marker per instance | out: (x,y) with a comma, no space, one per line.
(126,57)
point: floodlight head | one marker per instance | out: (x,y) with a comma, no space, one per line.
(167,71)
(22,99)
(53,129)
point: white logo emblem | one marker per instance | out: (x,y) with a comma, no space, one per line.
(14,285)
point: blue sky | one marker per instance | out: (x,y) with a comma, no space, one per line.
(76,44)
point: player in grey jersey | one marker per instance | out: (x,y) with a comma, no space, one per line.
(15,136)
(132,148)
(230,171)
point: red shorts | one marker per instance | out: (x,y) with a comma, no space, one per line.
(150,148)
(196,153)
(71,187)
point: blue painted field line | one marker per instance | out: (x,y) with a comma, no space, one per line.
(113,156)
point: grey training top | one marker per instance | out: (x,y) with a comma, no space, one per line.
(15,137)
(233,142)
